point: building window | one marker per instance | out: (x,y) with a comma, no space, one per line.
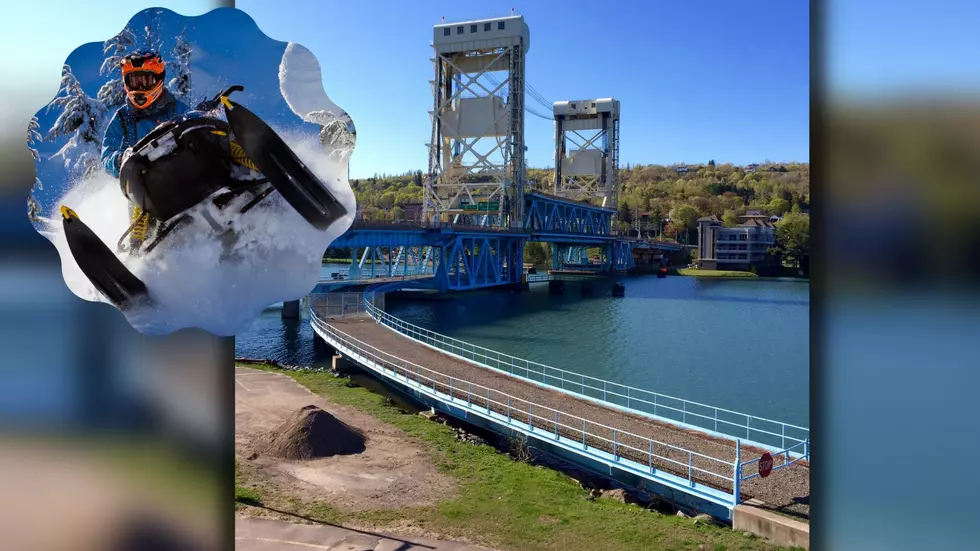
(472,28)
(459,30)
(486,26)
(447,31)
(743,237)
(593,105)
(500,25)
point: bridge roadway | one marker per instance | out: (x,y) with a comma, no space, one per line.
(786,490)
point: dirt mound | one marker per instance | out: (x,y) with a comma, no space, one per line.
(311,433)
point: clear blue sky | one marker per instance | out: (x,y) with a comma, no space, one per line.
(698,80)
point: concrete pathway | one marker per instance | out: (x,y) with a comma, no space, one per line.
(253,534)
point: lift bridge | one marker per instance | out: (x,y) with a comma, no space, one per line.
(478,211)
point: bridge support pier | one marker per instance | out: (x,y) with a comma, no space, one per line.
(290,310)
(343,366)
(321,349)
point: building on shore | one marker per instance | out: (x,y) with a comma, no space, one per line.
(739,248)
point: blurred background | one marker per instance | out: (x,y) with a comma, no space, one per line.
(98,423)
(109,440)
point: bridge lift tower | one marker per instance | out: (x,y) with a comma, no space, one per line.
(476,153)
(587,168)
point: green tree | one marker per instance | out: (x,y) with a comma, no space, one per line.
(730,219)
(793,237)
(397,213)
(796,208)
(778,206)
(534,253)
(685,215)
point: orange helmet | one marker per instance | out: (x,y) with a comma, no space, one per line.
(143,75)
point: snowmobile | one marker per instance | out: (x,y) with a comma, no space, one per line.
(180,165)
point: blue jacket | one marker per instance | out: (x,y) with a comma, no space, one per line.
(128,125)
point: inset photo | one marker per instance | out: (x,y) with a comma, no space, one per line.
(191,171)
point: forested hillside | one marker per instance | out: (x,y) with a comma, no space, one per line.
(679,193)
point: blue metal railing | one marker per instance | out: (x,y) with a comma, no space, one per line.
(693,469)
(753,429)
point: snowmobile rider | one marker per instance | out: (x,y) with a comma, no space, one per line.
(148,105)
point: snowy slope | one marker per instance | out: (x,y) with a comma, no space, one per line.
(197,281)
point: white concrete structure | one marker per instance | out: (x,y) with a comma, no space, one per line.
(587,150)
(476,153)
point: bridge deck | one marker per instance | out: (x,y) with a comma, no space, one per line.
(786,490)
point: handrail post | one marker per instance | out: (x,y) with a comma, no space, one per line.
(737,476)
(615,444)
(530,416)
(690,468)
(556,424)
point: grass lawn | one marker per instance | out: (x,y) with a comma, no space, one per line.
(501,503)
(713,273)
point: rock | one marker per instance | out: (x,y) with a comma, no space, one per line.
(682,514)
(747,534)
(704,519)
(252,456)
(619,495)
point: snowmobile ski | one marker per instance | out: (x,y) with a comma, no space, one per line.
(284,170)
(101,266)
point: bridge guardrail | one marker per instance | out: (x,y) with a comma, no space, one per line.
(754,429)
(695,467)
(341,305)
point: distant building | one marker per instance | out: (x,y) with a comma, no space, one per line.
(413,211)
(752,167)
(737,248)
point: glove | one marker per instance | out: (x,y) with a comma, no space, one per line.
(126,155)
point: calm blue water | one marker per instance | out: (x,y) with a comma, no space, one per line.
(742,345)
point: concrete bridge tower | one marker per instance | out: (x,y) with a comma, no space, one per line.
(476,152)
(587,151)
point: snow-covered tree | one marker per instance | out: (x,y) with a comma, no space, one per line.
(151,29)
(81,120)
(180,68)
(112,94)
(34,136)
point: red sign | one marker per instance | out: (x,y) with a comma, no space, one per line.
(765,465)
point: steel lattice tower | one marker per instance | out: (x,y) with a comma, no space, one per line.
(476,151)
(590,170)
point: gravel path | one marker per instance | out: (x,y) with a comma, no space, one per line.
(786,490)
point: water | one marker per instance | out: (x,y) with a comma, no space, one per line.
(741,345)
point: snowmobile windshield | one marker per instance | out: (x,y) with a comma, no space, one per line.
(142,81)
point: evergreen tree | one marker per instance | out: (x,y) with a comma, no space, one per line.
(34,136)
(81,120)
(180,68)
(112,94)
(151,30)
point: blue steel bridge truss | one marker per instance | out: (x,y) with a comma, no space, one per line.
(463,257)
